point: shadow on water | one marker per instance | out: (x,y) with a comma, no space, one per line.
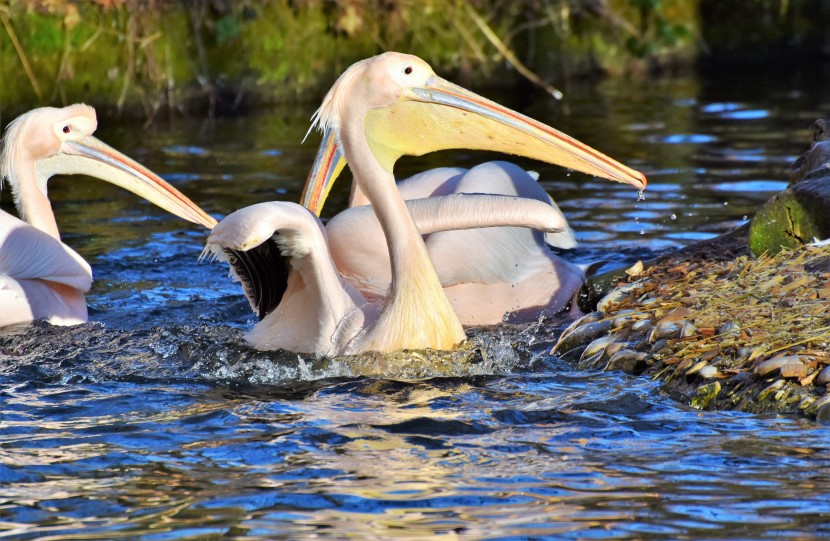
(156,421)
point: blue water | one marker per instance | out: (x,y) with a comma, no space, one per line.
(156,422)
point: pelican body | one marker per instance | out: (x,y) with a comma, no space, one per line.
(393,105)
(280,253)
(490,275)
(41,277)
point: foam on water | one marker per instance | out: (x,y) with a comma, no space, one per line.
(218,354)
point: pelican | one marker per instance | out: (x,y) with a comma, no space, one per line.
(280,253)
(489,275)
(486,273)
(510,274)
(41,277)
(377,111)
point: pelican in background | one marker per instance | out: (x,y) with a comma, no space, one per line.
(279,251)
(489,275)
(377,111)
(41,277)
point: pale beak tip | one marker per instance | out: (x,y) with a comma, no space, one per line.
(208,221)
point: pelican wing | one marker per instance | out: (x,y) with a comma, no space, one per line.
(26,253)
(263,272)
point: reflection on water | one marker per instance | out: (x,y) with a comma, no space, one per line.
(155,421)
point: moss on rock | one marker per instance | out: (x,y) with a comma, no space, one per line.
(796,216)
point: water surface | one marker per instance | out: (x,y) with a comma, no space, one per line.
(155,421)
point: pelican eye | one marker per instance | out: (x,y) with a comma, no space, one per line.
(67,129)
(407,70)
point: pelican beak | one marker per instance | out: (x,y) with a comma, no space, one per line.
(328,164)
(92,157)
(441,115)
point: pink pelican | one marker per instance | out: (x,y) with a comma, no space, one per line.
(378,110)
(41,277)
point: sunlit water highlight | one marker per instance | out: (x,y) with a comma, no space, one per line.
(155,421)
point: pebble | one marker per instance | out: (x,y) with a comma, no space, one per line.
(823,377)
(641,325)
(626,360)
(728,328)
(664,329)
(682,366)
(614,296)
(772,365)
(695,368)
(687,329)
(597,346)
(577,335)
(773,387)
(817,404)
(794,370)
(623,318)
(823,413)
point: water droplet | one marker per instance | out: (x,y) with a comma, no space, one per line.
(642,231)
(674,216)
(641,196)
(725,203)
(744,218)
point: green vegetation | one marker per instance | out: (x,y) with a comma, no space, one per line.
(145,57)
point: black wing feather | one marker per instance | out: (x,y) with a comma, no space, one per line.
(263,271)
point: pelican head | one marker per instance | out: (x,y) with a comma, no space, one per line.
(50,141)
(407,109)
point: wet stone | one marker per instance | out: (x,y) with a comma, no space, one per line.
(642,325)
(823,413)
(577,336)
(712,312)
(624,317)
(793,370)
(729,328)
(682,366)
(706,395)
(659,345)
(629,361)
(769,392)
(771,366)
(818,404)
(696,368)
(664,329)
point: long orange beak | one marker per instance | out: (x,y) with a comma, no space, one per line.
(92,157)
(328,164)
(441,115)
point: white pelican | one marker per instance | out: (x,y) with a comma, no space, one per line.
(279,252)
(487,274)
(40,277)
(379,110)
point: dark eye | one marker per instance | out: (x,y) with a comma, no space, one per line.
(407,70)
(67,129)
